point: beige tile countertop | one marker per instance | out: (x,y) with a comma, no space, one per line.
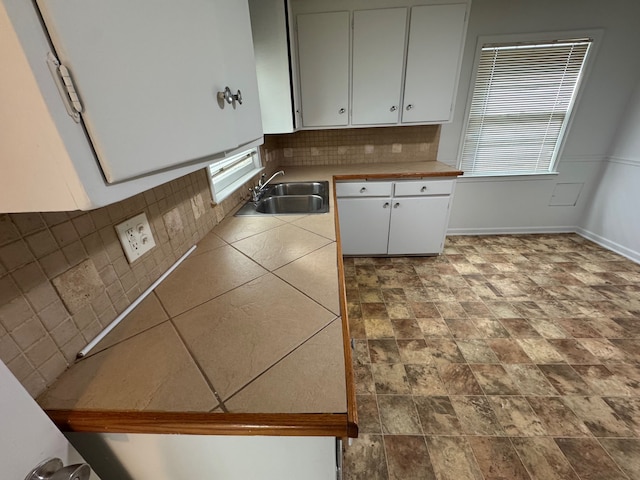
(246,333)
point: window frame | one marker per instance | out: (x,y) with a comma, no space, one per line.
(239,178)
(595,35)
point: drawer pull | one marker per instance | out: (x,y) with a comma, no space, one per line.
(386,205)
(363,189)
(423,189)
(396,205)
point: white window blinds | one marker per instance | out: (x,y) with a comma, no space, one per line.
(521,102)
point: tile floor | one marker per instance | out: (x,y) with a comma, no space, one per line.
(508,357)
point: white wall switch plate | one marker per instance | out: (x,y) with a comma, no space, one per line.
(135,236)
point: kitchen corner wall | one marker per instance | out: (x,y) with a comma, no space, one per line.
(353,145)
(64,276)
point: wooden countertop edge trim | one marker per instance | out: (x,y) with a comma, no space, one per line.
(196,423)
(352,408)
(391,176)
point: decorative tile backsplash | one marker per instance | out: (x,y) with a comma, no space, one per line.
(64,276)
(355,145)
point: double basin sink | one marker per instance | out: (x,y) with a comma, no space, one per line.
(296,198)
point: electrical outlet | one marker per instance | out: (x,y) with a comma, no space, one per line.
(135,236)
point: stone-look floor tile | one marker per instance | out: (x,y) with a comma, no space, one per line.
(453,459)
(630,325)
(497,458)
(451,310)
(443,350)
(529,379)
(602,381)
(543,459)
(462,328)
(577,327)
(424,380)
(356,327)
(540,350)
(558,420)
(628,374)
(365,459)
(363,379)
(398,415)
(360,352)
(371,295)
(390,378)
(599,417)
(458,379)
(434,328)
(630,347)
(494,380)
(626,453)
(393,295)
(573,351)
(374,311)
(565,379)
(413,351)
(627,409)
(589,459)
(437,415)
(490,328)
(607,328)
(502,309)
(406,328)
(477,351)
(604,350)
(408,458)
(378,328)
(398,311)
(368,415)
(383,351)
(519,328)
(424,309)
(508,350)
(476,416)
(516,416)
(548,328)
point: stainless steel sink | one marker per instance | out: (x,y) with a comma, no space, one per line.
(296,198)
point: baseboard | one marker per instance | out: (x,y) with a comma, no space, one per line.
(609,244)
(509,230)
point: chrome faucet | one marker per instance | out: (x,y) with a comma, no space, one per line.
(258,190)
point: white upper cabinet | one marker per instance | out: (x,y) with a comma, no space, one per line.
(436,37)
(404,64)
(323,59)
(148,77)
(378,57)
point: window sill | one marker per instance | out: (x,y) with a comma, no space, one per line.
(508,177)
(227,191)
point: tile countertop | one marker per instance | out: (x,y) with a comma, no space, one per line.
(240,338)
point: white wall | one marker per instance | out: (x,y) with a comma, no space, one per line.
(613,215)
(522,205)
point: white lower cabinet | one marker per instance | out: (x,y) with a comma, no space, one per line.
(405,217)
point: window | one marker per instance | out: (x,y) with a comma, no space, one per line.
(520,106)
(228,174)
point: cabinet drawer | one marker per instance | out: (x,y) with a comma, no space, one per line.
(423,187)
(363,189)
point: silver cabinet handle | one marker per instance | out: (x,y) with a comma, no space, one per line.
(393,108)
(226,95)
(341,111)
(423,189)
(409,107)
(52,469)
(363,189)
(396,205)
(386,205)
(238,97)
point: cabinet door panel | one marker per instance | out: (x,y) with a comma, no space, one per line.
(378,57)
(364,225)
(323,59)
(148,74)
(418,225)
(436,34)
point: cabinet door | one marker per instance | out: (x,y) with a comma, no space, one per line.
(418,225)
(148,74)
(436,34)
(323,59)
(378,57)
(364,225)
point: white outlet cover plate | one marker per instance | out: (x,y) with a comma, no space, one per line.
(135,236)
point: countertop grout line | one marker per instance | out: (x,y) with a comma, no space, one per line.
(294,349)
(200,368)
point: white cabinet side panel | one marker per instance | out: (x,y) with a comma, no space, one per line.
(323,59)
(378,58)
(148,74)
(436,34)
